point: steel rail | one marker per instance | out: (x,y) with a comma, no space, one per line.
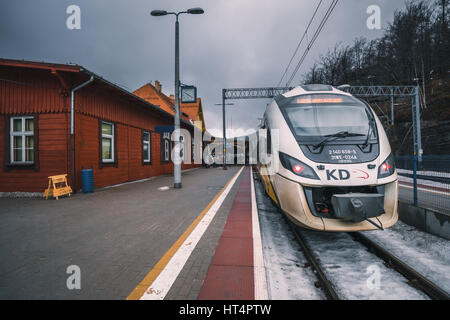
(416,280)
(326,285)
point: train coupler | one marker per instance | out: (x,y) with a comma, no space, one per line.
(357,207)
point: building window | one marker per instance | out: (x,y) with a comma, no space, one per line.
(165,146)
(146,147)
(182,148)
(107,142)
(166,150)
(22,140)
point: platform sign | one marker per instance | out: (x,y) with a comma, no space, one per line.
(164,129)
(188,94)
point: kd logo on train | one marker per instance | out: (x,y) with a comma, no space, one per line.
(342,174)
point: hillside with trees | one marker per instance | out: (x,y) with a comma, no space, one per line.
(414,50)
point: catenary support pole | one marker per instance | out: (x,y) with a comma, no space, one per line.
(392,107)
(415,179)
(416,126)
(224,141)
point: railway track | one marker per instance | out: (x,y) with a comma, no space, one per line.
(340,261)
(415,279)
(326,285)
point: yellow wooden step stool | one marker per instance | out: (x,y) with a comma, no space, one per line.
(57,186)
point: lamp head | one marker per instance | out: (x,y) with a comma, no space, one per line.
(158,13)
(195,11)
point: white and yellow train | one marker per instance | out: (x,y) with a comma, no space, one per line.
(336,171)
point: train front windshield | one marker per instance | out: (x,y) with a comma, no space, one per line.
(313,117)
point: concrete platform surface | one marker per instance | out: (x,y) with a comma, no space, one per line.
(114,236)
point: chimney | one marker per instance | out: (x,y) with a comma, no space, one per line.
(158,86)
(172,97)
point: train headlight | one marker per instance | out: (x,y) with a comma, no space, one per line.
(387,167)
(297,167)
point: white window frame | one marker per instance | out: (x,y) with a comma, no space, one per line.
(108,136)
(22,134)
(148,143)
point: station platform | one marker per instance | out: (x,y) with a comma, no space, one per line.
(223,262)
(139,240)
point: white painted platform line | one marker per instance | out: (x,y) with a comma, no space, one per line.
(162,284)
(400,184)
(259,270)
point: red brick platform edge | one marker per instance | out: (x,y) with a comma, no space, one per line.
(230,275)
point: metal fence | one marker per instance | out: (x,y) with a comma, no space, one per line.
(425,184)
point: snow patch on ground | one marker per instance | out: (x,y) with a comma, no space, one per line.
(350,267)
(427,254)
(287,277)
(20,194)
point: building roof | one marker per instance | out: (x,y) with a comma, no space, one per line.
(57,68)
(189,111)
(195,112)
(41,65)
(154,95)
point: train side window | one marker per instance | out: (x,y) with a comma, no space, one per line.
(268,138)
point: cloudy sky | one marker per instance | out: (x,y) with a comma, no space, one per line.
(236,43)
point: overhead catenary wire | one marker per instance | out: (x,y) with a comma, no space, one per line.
(313,39)
(300,42)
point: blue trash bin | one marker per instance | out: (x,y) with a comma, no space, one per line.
(87,180)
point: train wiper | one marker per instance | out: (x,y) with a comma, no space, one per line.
(341,134)
(369,132)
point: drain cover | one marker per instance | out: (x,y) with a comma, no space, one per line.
(215,187)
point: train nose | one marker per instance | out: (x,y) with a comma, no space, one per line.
(357,207)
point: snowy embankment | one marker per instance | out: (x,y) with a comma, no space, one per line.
(427,254)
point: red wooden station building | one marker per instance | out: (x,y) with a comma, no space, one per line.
(42,104)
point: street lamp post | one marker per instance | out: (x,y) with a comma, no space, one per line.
(177,162)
